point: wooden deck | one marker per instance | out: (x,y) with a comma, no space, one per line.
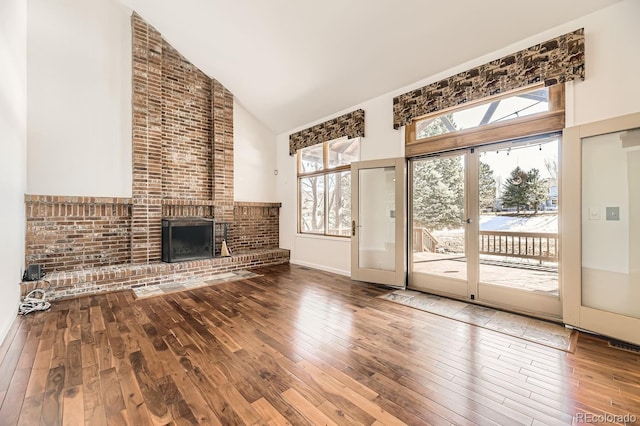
(294,346)
(525,277)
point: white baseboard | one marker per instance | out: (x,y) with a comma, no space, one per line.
(13,317)
(321,267)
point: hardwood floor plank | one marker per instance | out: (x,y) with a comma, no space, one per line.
(337,415)
(132,396)
(96,318)
(73,406)
(11,334)
(92,396)
(239,404)
(40,368)
(13,354)
(74,321)
(268,413)
(112,398)
(150,390)
(12,404)
(31,411)
(52,404)
(308,410)
(73,365)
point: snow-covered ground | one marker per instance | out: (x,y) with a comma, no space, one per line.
(537,223)
(490,222)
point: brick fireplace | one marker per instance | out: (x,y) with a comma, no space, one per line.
(182,140)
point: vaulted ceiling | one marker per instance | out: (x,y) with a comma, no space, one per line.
(290,62)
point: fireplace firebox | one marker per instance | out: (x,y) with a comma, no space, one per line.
(187,239)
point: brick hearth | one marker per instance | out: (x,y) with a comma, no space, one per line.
(111,278)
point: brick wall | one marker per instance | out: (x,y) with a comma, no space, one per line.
(254,226)
(187,160)
(146,234)
(75,233)
(222,140)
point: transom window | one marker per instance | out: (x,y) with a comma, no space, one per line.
(498,110)
(324,187)
(526,112)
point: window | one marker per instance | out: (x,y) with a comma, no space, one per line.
(499,110)
(324,187)
(527,112)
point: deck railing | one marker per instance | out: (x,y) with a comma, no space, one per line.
(423,240)
(542,246)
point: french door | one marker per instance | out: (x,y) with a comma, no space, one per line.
(378,234)
(484,225)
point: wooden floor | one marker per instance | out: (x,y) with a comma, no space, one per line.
(294,346)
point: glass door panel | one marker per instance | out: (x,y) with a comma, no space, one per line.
(439,259)
(518,239)
(610,222)
(518,200)
(377,219)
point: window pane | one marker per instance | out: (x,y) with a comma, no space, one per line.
(522,105)
(438,126)
(519,105)
(311,159)
(339,204)
(312,204)
(343,151)
(518,196)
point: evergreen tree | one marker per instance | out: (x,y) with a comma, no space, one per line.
(438,193)
(515,190)
(438,184)
(436,126)
(487,187)
(536,188)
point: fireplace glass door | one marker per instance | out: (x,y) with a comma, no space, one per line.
(187,239)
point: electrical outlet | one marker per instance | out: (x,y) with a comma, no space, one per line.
(613,213)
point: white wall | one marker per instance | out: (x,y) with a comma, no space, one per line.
(13,150)
(612,56)
(79,98)
(611,88)
(254,158)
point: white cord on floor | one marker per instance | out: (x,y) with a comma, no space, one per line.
(35,300)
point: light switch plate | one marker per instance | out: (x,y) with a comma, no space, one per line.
(613,213)
(594,213)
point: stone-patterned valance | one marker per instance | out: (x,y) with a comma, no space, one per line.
(554,61)
(350,125)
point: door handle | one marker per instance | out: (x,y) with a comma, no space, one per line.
(353,227)
(468,220)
